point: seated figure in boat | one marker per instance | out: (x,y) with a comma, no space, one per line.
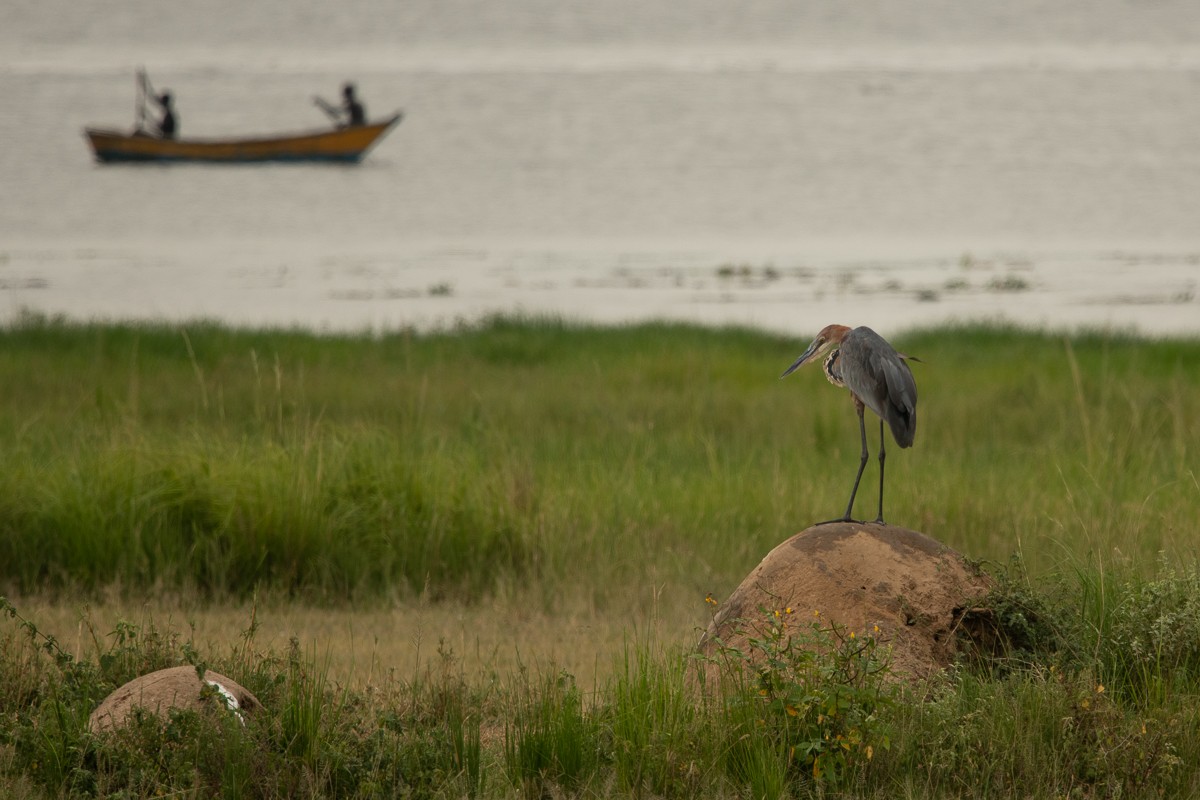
(350,113)
(168,125)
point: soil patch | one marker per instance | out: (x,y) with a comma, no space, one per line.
(859,576)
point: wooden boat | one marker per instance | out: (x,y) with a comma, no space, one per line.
(347,145)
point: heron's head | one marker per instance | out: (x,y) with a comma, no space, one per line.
(829,337)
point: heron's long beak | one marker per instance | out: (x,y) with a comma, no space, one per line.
(800,362)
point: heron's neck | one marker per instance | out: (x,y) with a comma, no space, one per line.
(831,369)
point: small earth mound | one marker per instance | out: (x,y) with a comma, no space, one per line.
(859,576)
(174,688)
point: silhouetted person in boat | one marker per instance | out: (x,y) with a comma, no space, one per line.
(168,125)
(350,113)
(355,113)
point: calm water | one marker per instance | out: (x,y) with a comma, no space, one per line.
(886,162)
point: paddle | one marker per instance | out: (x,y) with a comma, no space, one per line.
(333,111)
(143,91)
(145,94)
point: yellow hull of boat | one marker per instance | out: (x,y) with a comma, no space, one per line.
(340,144)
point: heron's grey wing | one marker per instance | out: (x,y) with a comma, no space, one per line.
(875,372)
(859,365)
(901,413)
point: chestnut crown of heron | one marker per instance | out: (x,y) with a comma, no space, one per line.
(878,378)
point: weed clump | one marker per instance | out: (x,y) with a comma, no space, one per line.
(806,703)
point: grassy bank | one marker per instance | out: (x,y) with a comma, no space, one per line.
(572,460)
(539,468)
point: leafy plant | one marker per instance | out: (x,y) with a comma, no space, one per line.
(807,701)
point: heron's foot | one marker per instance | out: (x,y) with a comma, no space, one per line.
(843,519)
(878,521)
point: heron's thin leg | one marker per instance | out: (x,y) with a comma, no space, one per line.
(862,464)
(882,455)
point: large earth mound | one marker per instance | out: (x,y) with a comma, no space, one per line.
(859,576)
(176,687)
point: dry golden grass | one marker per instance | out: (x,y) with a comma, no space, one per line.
(489,642)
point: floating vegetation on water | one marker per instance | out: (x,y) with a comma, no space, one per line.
(1009,283)
(748,273)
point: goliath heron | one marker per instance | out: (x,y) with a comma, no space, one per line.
(863,362)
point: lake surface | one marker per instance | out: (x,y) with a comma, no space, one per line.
(888,162)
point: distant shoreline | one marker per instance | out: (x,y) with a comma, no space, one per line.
(425,288)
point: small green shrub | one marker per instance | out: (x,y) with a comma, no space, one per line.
(1014,626)
(1147,634)
(811,707)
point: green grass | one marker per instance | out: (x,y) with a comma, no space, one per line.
(570,464)
(534,453)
